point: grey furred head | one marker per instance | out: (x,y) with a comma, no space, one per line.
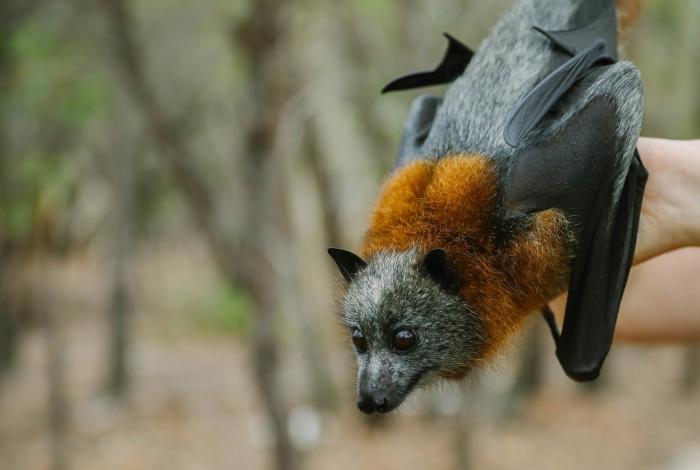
(407,322)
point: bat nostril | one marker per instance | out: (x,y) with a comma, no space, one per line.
(366,404)
(370,404)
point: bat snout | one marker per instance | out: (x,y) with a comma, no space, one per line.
(369,403)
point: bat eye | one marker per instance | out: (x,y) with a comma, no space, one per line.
(404,340)
(358,339)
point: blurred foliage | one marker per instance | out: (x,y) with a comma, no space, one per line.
(53,94)
(54,79)
(223,310)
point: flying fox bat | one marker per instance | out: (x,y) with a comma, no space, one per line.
(521,182)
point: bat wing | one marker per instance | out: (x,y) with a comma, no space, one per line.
(456,58)
(416,129)
(599,278)
(578,170)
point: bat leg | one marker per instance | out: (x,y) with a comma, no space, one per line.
(551,321)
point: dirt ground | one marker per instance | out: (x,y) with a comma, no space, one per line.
(192,405)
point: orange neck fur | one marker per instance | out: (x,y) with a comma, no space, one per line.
(451,204)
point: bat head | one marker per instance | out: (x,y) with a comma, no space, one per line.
(407,323)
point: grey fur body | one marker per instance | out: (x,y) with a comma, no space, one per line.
(471,117)
(392,291)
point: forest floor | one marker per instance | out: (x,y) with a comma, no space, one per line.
(192,405)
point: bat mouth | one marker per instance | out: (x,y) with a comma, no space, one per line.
(383,405)
(389,407)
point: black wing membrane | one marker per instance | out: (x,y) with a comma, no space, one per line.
(597,284)
(455,60)
(576,171)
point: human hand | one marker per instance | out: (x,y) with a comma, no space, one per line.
(670,217)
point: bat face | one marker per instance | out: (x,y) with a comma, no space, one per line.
(407,325)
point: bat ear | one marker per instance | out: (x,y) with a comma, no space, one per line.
(348,262)
(438,267)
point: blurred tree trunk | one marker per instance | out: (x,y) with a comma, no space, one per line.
(8,330)
(323,391)
(361,55)
(40,253)
(261,40)
(8,334)
(55,351)
(266,43)
(120,301)
(243,259)
(324,181)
